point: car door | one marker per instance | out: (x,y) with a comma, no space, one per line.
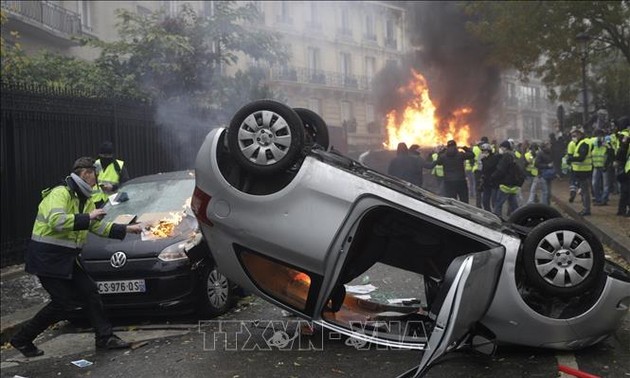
(469,287)
(464,296)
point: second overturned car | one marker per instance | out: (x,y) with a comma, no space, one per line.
(305,228)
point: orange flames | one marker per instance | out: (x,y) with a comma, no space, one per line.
(165,227)
(418,123)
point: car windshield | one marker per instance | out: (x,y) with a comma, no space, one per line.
(152,199)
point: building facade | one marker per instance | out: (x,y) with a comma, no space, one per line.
(523,111)
(336,49)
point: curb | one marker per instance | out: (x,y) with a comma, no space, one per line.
(610,237)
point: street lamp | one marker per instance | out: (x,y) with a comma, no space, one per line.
(583,40)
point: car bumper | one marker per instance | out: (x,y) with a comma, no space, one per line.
(170,286)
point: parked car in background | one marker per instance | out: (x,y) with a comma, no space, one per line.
(165,270)
(303,227)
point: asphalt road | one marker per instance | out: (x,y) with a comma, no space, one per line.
(184,347)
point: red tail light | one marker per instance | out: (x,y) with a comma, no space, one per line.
(199,205)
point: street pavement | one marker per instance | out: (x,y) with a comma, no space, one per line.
(184,346)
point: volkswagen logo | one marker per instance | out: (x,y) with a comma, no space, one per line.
(118,260)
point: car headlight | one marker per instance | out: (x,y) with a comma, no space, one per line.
(178,251)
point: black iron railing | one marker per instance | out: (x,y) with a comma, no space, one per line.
(319,77)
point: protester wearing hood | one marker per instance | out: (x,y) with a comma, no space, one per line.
(111,172)
(507,178)
(453,160)
(488,164)
(65,215)
(407,166)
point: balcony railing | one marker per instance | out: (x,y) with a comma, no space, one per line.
(321,78)
(49,15)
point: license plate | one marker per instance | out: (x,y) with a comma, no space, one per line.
(117,287)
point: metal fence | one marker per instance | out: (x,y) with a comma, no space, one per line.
(44,130)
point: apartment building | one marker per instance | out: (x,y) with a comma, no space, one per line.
(336,49)
(523,111)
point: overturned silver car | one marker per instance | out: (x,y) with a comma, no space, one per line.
(303,226)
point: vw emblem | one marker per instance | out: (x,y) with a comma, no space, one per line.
(118,259)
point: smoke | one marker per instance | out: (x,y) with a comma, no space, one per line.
(453,62)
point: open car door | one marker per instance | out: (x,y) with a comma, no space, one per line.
(464,297)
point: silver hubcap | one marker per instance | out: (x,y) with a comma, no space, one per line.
(218,289)
(264,137)
(564,258)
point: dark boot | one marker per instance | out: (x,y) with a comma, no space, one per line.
(27,348)
(572,196)
(111,342)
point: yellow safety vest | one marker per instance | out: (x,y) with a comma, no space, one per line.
(438,170)
(587,164)
(107,176)
(477,151)
(599,155)
(509,189)
(55,219)
(531,168)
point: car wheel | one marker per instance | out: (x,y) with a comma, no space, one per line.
(315,127)
(265,137)
(218,294)
(532,215)
(563,257)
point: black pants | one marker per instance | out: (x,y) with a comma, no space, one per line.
(67,295)
(624,195)
(456,189)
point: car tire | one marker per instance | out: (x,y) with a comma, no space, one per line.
(563,267)
(265,137)
(533,215)
(315,127)
(217,294)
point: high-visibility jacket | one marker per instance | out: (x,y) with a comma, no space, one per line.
(109,175)
(60,222)
(599,154)
(585,165)
(438,170)
(477,151)
(531,168)
(60,230)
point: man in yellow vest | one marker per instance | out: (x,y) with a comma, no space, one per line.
(65,216)
(582,167)
(111,172)
(573,186)
(438,170)
(603,157)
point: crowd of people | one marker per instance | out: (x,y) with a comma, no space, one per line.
(596,166)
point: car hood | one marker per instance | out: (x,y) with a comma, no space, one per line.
(99,248)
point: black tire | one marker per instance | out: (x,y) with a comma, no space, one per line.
(563,267)
(315,127)
(265,137)
(217,294)
(533,215)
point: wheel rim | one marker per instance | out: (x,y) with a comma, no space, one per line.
(564,258)
(264,137)
(217,289)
